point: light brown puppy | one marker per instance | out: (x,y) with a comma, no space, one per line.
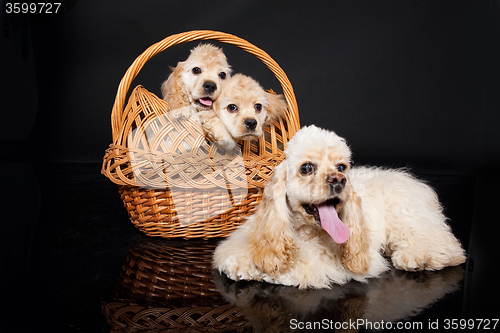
(241,111)
(195,83)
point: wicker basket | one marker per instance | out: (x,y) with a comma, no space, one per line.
(148,196)
(169,287)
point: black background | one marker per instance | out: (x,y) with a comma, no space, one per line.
(404,82)
(407,83)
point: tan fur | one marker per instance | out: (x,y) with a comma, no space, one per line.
(183,89)
(355,252)
(226,127)
(272,240)
(173,90)
(386,211)
(276,108)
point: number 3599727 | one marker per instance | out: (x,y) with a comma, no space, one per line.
(483,324)
(32,7)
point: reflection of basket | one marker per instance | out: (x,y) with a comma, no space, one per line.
(169,287)
(152,208)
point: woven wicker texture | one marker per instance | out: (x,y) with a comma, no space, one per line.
(170,288)
(154,156)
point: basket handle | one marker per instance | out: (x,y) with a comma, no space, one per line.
(134,69)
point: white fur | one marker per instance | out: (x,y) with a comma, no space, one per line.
(388,212)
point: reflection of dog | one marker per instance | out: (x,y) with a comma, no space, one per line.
(195,83)
(311,228)
(395,296)
(240,111)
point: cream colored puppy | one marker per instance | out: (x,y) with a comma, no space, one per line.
(321,221)
(241,111)
(195,83)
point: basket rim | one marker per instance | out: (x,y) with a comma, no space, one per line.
(198,35)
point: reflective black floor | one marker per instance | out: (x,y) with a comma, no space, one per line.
(75,263)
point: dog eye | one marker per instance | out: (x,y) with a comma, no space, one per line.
(341,167)
(232,108)
(196,70)
(222,75)
(258,107)
(307,168)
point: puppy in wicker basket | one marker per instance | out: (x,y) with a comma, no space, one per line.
(195,83)
(321,221)
(228,108)
(241,111)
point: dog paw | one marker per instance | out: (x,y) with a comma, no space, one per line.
(227,145)
(185,112)
(408,260)
(238,270)
(181,113)
(415,260)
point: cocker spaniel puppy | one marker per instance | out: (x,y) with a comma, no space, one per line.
(321,221)
(195,83)
(229,109)
(241,111)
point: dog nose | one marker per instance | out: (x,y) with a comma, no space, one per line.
(210,86)
(250,123)
(337,181)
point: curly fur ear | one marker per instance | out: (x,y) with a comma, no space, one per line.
(355,252)
(173,90)
(277,106)
(272,238)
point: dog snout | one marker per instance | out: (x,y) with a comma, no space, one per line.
(337,182)
(210,86)
(250,123)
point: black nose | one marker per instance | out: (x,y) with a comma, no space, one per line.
(250,123)
(210,87)
(337,182)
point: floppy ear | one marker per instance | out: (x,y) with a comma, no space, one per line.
(173,88)
(272,238)
(355,254)
(277,106)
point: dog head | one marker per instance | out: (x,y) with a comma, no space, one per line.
(318,163)
(244,107)
(197,81)
(310,190)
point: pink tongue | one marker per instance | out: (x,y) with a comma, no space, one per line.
(332,224)
(206,101)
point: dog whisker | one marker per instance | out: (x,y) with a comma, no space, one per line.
(355,230)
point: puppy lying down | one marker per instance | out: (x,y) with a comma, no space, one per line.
(321,221)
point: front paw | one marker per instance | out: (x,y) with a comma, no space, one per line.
(181,113)
(408,260)
(237,269)
(226,145)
